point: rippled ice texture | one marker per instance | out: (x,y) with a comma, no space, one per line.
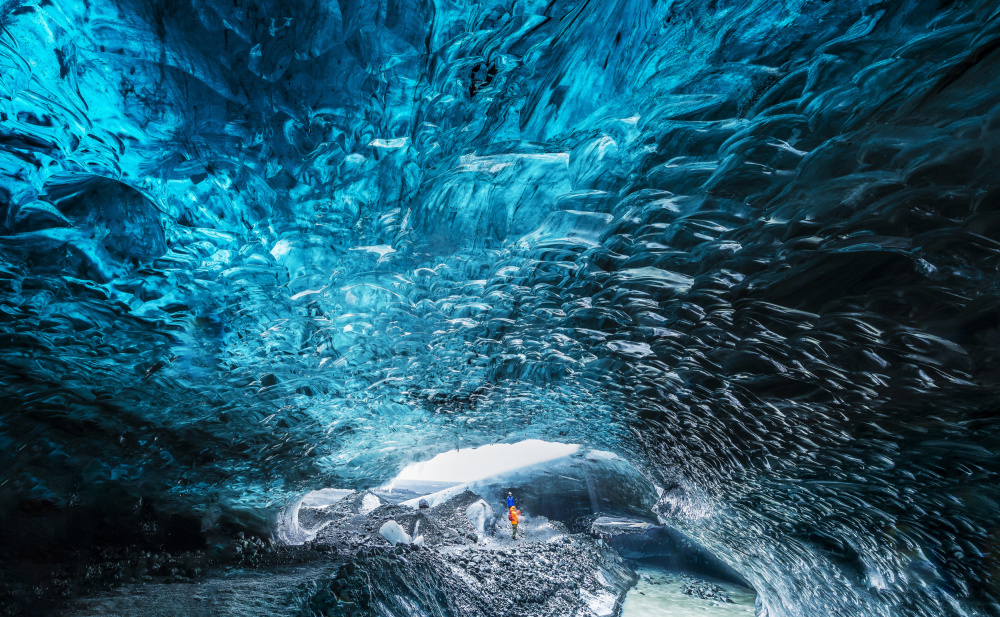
(255,247)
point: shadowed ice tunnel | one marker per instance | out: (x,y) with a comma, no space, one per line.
(254,248)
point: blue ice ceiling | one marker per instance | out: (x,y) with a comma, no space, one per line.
(252,248)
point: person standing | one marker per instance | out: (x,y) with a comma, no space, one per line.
(510,499)
(512,516)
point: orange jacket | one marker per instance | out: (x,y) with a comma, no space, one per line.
(513,514)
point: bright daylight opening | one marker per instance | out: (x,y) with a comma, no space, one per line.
(477,463)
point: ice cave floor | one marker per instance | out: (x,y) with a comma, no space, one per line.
(658,593)
(661,593)
(368,556)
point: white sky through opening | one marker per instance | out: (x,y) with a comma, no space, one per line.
(477,463)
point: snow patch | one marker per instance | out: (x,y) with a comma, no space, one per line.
(325,497)
(369,503)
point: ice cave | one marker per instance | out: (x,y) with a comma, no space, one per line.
(257,257)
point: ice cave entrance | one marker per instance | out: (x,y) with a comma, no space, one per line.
(470,464)
(435,479)
(562,489)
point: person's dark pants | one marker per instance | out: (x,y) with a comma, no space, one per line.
(514,525)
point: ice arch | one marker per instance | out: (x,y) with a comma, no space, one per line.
(252,248)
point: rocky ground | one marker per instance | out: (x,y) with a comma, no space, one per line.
(44,588)
(459,566)
(705,590)
(462,562)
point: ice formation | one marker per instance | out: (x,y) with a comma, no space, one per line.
(480,514)
(394,534)
(254,248)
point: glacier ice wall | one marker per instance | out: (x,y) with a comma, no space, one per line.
(251,248)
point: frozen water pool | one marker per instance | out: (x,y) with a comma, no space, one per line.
(658,594)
